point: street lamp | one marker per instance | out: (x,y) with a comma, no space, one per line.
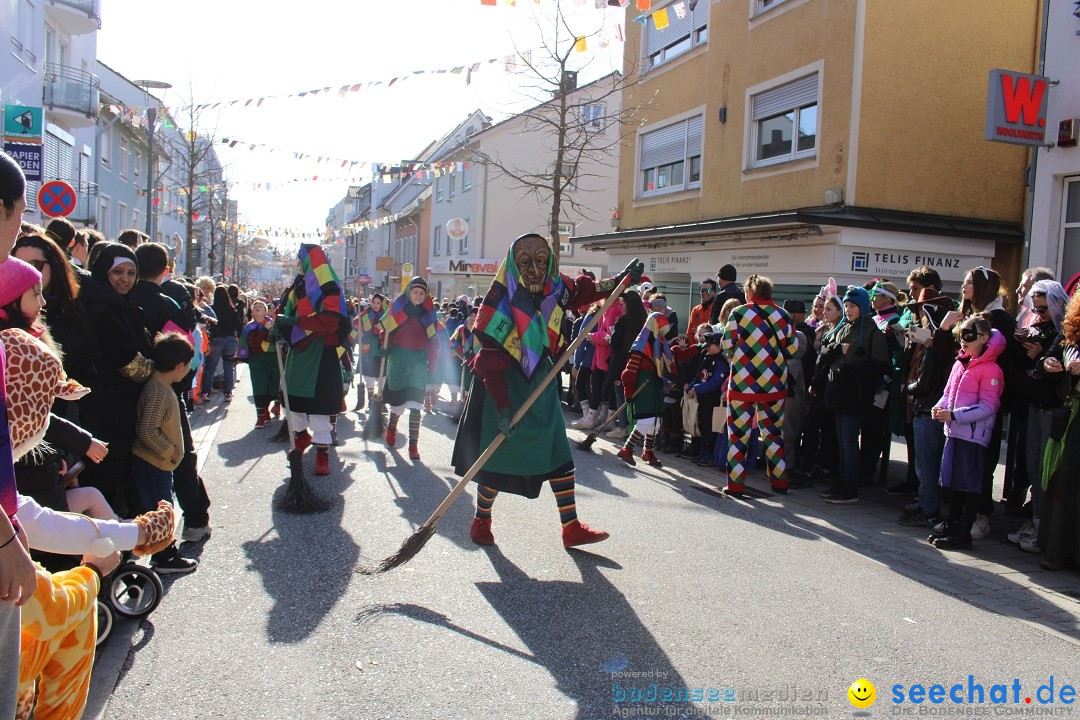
(151,116)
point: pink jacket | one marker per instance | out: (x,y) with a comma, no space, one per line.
(600,338)
(973,394)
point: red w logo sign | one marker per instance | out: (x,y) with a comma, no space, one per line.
(1023,94)
(1016,108)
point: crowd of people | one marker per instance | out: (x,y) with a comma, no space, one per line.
(106,353)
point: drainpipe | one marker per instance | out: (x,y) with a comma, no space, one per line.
(1030,210)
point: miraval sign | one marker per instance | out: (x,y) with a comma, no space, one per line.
(482,266)
(1016,108)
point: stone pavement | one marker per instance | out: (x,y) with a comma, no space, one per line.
(994,574)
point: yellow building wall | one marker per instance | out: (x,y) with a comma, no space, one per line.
(924,92)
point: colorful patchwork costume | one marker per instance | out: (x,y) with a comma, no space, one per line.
(759,341)
(519,331)
(650,362)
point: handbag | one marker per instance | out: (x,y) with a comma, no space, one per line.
(719,417)
(689,415)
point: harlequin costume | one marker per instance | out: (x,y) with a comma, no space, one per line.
(650,361)
(759,340)
(412,362)
(464,343)
(255,349)
(367,325)
(518,331)
(315,325)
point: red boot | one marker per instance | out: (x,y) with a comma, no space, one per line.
(650,457)
(262,420)
(480,532)
(391,436)
(322,460)
(734,489)
(303,440)
(275,409)
(414,452)
(578,533)
(626,455)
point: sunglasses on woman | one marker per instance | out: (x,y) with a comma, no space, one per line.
(969,334)
(39,265)
(1039,308)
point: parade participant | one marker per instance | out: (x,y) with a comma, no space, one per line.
(465,344)
(314,323)
(255,350)
(412,361)
(760,340)
(367,324)
(650,362)
(519,325)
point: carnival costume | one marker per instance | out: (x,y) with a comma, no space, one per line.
(519,332)
(650,361)
(316,326)
(412,362)
(366,323)
(255,350)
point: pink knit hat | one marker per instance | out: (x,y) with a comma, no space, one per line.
(16,277)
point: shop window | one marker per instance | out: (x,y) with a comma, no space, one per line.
(1070,241)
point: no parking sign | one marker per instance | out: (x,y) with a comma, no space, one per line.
(56,199)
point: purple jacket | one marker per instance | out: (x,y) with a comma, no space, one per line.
(973,394)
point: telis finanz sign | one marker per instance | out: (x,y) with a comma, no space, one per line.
(1016,108)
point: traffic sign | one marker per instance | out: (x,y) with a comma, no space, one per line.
(56,199)
(365,279)
(407,270)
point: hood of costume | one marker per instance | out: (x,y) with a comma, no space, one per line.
(652,342)
(316,289)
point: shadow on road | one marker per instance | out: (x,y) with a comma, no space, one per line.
(306,561)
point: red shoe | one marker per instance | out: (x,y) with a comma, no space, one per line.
(322,460)
(303,440)
(262,420)
(275,409)
(626,455)
(734,489)
(414,452)
(650,457)
(480,532)
(391,436)
(578,533)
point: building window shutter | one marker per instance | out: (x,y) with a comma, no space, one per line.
(701,15)
(694,127)
(803,91)
(676,30)
(664,146)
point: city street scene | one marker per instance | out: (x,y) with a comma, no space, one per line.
(540,359)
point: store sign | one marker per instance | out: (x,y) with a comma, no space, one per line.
(670,263)
(384,263)
(482,266)
(897,265)
(23,128)
(1016,108)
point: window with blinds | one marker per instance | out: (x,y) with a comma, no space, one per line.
(688,23)
(785,121)
(670,158)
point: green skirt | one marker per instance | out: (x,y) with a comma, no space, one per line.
(265,376)
(406,377)
(648,400)
(538,449)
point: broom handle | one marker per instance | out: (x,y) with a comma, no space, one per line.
(382,365)
(285,396)
(499,437)
(617,411)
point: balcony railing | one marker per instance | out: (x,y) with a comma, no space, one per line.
(72,89)
(86,14)
(86,204)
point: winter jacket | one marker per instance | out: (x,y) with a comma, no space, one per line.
(698,316)
(973,393)
(1040,387)
(854,378)
(583,356)
(712,374)
(601,338)
(929,377)
(731,290)
(760,339)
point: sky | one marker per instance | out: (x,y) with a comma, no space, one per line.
(224,50)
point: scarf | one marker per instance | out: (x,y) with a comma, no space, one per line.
(402,309)
(512,318)
(652,343)
(317,289)
(885,317)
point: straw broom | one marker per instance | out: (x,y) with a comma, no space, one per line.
(415,542)
(298,498)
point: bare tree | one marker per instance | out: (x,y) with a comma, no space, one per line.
(565,120)
(196,168)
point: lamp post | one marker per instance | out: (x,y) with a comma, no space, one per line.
(151,117)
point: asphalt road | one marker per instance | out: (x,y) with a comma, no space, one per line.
(754,601)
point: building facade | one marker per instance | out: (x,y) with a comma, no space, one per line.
(1055,213)
(805,139)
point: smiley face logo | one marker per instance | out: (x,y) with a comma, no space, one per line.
(862,693)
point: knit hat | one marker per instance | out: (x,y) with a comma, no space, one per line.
(859,296)
(795,306)
(644,288)
(418,281)
(727,273)
(16,277)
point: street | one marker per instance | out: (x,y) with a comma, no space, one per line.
(774,604)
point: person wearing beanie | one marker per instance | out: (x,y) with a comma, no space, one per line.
(411,343)
(855,357)
(884,422)
(761,342)
(728,288)
(315,323)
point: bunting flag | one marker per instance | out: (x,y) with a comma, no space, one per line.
(680,10)
(580,45)
(644,5)
(660,18)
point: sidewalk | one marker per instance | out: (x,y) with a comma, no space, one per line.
(995,574)
(113,654)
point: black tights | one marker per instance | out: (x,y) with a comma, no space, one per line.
(962,509)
